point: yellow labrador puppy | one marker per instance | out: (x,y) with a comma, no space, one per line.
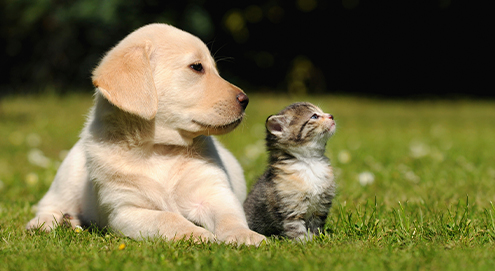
(145,165)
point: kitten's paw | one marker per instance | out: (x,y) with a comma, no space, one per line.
(303,238)
(242,236)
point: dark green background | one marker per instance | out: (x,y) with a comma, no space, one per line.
(390,48)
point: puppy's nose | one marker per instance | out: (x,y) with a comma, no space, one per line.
(243,100)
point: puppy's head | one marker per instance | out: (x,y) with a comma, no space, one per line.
(168,76)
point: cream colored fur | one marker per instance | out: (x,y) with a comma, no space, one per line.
(145,165)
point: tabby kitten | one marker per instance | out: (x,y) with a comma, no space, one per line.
(294,195)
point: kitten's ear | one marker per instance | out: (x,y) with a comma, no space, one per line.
(275,124)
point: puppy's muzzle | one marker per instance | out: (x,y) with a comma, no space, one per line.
(243,100)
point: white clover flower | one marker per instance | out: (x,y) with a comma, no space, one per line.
(437,155)
(33,140)
(344,156)
(32,178)
(366,178)
(37,158)
(411,176)
(419,149)
(253,151)
(467,165)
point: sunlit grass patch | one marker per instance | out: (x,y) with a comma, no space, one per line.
(415,190)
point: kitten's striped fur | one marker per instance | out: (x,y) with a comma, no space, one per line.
(295,193)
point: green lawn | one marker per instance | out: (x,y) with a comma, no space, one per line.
(415,190)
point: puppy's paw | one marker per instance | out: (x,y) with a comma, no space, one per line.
(243,236)
(196,234)
(48,222)
(44,222)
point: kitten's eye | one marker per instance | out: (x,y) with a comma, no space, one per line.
(314,117)
(197,67)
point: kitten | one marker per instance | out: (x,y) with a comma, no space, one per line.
(294,195)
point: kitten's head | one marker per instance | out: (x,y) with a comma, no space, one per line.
(300,129)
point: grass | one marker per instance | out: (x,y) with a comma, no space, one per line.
(415,190)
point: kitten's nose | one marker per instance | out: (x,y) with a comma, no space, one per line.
(243,100)
(329,116)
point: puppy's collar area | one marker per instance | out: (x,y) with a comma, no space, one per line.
(173,137)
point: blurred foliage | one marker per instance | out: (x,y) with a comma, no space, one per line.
(303,46)
(56,44)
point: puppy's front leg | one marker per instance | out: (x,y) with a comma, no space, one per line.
(231,227)
(139,223)
(217,209)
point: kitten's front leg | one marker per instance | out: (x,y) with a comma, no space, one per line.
(296,229)
(317,223)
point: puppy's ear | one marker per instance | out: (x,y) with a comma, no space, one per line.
(124,77)
(275,124)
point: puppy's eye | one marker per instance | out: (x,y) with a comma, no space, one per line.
(197,67)
(314,117)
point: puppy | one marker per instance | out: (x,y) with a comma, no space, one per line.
(145,164)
